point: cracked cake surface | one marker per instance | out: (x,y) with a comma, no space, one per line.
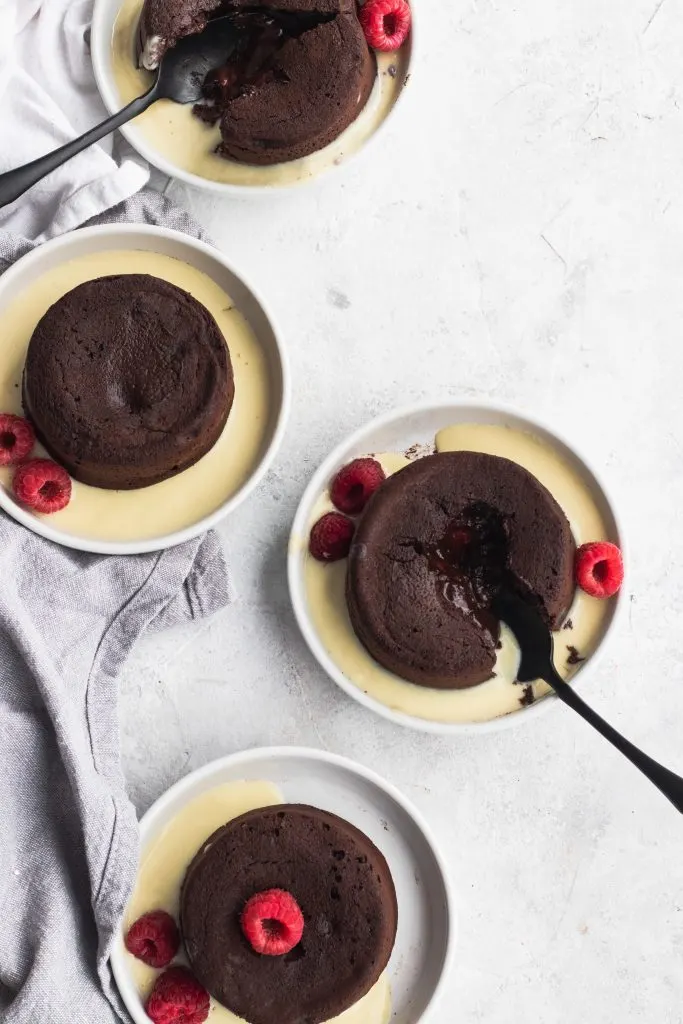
(344,888)
(299,76)
(428,552)
(127,381)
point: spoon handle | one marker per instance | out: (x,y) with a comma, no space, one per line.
(14,183)
(667,782)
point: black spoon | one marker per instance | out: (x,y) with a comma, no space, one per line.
(536,645)
(180,78)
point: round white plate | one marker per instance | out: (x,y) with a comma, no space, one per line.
(396,432)
(104,17)
(209,261)
(425,940)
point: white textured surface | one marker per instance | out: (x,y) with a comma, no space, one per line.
(517,234)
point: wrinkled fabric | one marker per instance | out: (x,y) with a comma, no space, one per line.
(69,841)
(48,96)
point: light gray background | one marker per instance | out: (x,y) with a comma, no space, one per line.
(515,234)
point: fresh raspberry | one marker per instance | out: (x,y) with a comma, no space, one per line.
(386,23)
(42,485)
(16,439)
(355,484)
(272,922)
(178,998)
(154,938)
(599,568)
(331,537)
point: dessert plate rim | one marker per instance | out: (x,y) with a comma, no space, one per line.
(103,19)
(430,878)
(359,443)
(166,241)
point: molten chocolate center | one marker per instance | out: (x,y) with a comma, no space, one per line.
(470,562)
(251,62)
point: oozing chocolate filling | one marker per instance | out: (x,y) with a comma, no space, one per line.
(251,63)
(469,562)
(434,545)
(300,73)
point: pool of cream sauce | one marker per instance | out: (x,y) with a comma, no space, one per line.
(188,497)
(500,695)
(189,144)
(162,869)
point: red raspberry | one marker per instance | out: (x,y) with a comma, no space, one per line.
(355,484)
(599,568)
(154,938)
(16,439)
(178,998)
(42,485)
(386,23)
(331,537)
(272,922)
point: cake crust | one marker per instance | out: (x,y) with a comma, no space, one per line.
(418,614)
(344,887)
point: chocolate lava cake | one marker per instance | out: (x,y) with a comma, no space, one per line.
(433,544)
(127,381)
(344,887)
(301,74)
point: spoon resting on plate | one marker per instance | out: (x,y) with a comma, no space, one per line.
(536,646)
(180,78)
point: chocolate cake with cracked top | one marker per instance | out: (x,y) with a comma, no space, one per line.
(431,547)
(302,72)
(344,887)
(127,381)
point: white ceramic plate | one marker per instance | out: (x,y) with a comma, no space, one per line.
(104,17)
(396,432)
(425,941)
(210,262)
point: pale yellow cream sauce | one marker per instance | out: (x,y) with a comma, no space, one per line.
(189,144)
(499,695)
(162,869)
(188,497)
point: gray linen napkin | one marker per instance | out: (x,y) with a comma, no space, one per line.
(68,833)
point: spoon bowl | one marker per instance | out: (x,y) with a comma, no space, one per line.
(184,67)
(180,78)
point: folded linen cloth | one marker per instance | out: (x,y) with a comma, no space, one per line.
(48,96)
(68,853)
(68,850)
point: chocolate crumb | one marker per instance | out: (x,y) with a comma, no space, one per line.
(568,624)
(392,71)
(406,80)
(499,644)
(527,697)
(574,658)
(419,451)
